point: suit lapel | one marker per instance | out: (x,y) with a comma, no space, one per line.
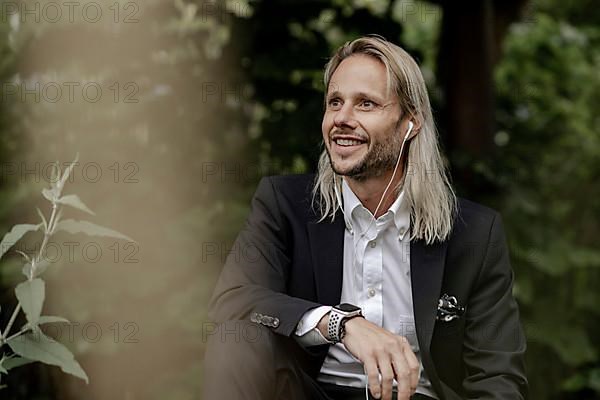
(327,252)
(427,270)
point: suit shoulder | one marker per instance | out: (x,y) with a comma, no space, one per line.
(474,216)
(293,179)
(293,193)
(470,207)
(294,186)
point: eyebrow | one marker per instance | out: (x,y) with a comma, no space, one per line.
(336,93)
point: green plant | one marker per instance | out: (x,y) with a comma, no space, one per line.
(29,344)
(548,94)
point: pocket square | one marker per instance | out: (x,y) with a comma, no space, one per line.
(448,309)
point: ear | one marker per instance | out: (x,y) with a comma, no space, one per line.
(416,126)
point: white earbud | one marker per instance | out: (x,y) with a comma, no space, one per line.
(410,128)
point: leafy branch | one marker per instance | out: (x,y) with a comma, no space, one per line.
(29,344)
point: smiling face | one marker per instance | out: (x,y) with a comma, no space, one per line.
(361,122)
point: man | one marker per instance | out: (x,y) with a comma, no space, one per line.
(370,275)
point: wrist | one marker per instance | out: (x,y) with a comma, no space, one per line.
(350,325)
(322,326)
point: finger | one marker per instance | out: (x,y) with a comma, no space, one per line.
(387,376)
(402,373)
(413,365)
(373,377)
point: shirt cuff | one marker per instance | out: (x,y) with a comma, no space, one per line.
(306,332)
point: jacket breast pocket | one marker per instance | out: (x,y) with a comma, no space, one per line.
(449,330)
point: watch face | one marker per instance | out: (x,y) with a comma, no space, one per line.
(346,307)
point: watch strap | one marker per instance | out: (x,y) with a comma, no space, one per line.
(334,325)
(337,319)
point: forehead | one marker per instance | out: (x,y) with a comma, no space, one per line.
(359,73)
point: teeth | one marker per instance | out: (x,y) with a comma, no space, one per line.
(347,142)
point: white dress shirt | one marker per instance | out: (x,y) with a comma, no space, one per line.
(376,278)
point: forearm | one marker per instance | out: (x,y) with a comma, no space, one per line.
(242,302)
(256,282)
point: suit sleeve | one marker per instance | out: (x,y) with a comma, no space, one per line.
(494,343)
(253,280)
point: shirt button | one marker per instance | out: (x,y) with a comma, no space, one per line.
(371,292)
(373,244)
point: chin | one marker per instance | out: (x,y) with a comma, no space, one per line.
(349,166)
(343,167)
(350,170)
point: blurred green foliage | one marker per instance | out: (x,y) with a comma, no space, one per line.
(547,168)
(266,61)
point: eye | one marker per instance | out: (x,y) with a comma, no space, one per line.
(366,104)
(334,103)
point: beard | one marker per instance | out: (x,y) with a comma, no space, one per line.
(380,158)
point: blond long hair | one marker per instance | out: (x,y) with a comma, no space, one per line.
(427,187)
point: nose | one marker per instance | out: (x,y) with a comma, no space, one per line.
(344,117)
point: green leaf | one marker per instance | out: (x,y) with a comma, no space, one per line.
(40,347)
(31,296)
(40,267)
(50,194)
(582,380)
(14,362)
(66,174)
(571,343)
(15,234)
(49,319)
(594,380)
(574,383)
(74,226)
(26,270)
(74,201)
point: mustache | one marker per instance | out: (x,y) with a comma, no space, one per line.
(338,131)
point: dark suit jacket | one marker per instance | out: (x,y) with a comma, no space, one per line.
(285,263)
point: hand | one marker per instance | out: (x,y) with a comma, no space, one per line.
(381,352)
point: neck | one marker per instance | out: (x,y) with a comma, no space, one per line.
(369,191)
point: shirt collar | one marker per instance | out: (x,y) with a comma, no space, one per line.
(399,210)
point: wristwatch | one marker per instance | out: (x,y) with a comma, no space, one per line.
(338,316)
